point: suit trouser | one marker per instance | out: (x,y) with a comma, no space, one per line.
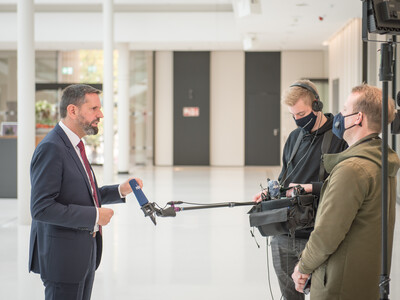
(285,252)
(71,291)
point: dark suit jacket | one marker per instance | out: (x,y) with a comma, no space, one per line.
(63,212)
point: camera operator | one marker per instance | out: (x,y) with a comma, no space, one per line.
(301,164)
(342,252)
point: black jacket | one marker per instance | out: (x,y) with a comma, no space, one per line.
(305,165)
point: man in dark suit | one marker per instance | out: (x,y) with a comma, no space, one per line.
(66,237)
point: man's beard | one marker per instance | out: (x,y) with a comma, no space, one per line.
(87,127)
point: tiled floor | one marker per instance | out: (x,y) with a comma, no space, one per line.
(203,254)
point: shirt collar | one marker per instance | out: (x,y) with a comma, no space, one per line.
(72,136)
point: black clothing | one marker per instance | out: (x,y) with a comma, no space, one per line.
(305,165)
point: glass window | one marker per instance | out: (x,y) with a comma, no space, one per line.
(141,106)
(8,86)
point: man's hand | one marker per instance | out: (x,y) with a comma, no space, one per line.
(257,198)
(125,187)
(307,188)
(299,279)
(105,215)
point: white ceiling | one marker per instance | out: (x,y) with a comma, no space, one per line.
(299,24)
(281,25)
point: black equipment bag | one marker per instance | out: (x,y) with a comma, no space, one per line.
(284,216)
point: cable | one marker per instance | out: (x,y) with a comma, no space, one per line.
(252,234)
(160,206)
(269,275)
(287,258)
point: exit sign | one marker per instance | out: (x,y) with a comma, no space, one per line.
(191,111)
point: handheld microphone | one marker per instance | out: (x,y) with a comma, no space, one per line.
(147,207)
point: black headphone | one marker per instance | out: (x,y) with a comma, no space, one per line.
(316,105)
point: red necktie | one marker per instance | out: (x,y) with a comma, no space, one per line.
(89,172)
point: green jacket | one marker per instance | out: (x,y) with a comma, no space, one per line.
(344,250)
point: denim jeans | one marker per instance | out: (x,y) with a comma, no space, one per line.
(285,252)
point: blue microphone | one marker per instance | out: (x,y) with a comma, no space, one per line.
(147,207)
(141,198)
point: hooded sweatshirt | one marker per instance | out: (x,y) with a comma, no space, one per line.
(344,250)
(305,165)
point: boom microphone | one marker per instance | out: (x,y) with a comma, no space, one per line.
(168,212)
(147,207)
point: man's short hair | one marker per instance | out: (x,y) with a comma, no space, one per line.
(369,102)
(294,93)
(75,94)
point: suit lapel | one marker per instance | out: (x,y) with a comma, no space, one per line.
(72,152)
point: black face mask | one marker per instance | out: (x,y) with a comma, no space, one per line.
(307,122)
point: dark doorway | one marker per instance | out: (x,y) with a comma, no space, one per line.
(191,108)
(262,108)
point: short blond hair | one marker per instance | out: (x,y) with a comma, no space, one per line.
(294,93)
(369,102)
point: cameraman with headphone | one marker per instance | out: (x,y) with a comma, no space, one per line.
(302,164)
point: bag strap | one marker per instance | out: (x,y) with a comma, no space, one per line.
(326,143)
(296,146)
(294,151)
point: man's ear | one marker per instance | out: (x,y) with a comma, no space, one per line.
(72,111)
(359,119)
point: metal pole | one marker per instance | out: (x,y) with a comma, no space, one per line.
(216,205)
(124,143)
(26,106)
(394,85)
(108,91)
(385,75)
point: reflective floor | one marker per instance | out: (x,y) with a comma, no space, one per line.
(200,254)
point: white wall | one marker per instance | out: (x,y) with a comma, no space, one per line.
(373,61)
(297,65)
(142,30)
(345,59)
(163,109)
(227,108)
(227,102)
